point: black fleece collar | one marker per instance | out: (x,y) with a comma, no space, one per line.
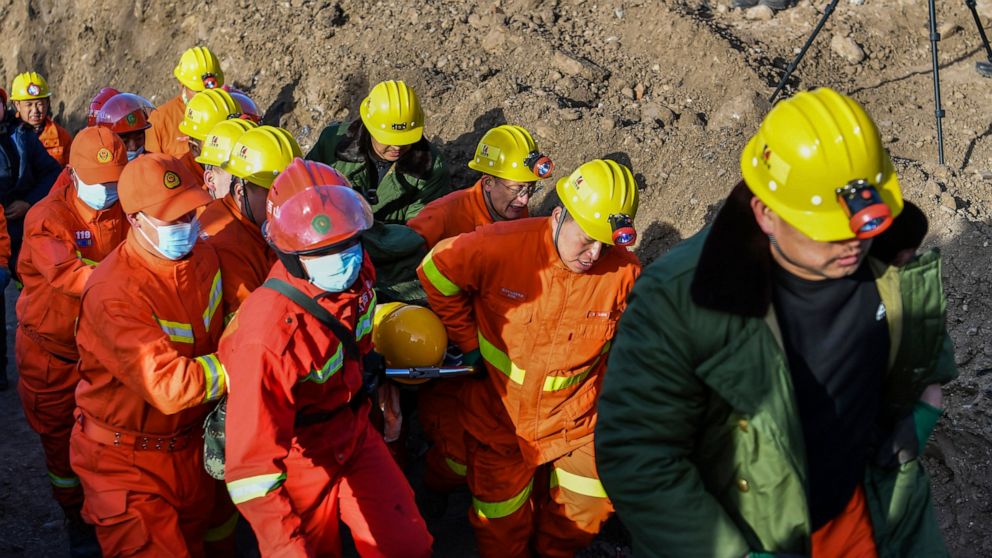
(418,162)
(733,274)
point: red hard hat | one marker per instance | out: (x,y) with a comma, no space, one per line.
(98,100)
(249,110)
(125,113)
(311,207)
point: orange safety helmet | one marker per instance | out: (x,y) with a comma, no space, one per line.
(312,207)
(98,101)
(125,113)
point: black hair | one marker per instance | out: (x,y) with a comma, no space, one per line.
(906,233)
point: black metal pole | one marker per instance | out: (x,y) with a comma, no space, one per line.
(938,110)
(981,30)
(795,62)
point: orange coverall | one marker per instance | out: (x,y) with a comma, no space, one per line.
(57,141)
(543,333)
(245,257)
(164,135)
(63,241)
(439,403)
(147,331)
(301,451)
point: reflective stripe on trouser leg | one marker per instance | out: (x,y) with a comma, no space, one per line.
(502,511)
(578,506)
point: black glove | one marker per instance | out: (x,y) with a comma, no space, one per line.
(373,370)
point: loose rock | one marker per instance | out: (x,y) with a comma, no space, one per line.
(846,48)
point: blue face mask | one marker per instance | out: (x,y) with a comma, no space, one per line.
(132,155)
(174,241)
(97,196)
(334,273)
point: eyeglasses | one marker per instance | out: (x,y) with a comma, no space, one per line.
(521,191)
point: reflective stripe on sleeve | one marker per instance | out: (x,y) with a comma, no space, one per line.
(177,331)
(557,383)
(456,467)
(222,531)
(577,483)
(330,368)
(444,285)
(364,325)
(496,510)
(250,488)
(500,360)
(213,302)
(216,378)
(85,260)
(63,482)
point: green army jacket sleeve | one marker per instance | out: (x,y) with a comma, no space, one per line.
(650,410)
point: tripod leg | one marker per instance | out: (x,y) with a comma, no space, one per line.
(984,68)
(795,62)
(938,110)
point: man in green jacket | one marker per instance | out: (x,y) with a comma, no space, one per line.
(772,384)
(386,157)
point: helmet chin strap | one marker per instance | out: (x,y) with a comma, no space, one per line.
(561,221)
(245,205)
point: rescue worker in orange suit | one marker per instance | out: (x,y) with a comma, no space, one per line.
(217,151)
(198,70)
(151,316)
(33,101)
(511,165)
(127,114)
(305,453)
(534,304)
(97,103)
(66,235)
(233,224)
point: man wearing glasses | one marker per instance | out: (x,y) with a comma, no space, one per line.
(501,194)
(511,165)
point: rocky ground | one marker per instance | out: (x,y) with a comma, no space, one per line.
(671,87)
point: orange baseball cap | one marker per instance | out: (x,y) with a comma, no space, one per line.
(97,155)
(160,186)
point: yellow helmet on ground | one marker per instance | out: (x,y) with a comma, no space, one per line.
(601,196)
(261,154)
(220,140)
(205,110)
(199,69)
(392,114)
(29,86)
(510,152)
(409,336)
(817,161)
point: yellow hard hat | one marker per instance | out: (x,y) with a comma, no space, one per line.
(510,152)
(29,86)
(810,154)
(383,310)
(205,110)
(409,336)
(392,114)
(261,154)
(601,196)
(199,69)
(220,140)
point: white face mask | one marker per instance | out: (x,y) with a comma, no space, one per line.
(97,196)
(335,273)
(174,241)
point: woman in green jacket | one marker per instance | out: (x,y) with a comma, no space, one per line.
(770,379)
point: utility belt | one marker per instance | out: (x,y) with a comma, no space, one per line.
(107,436)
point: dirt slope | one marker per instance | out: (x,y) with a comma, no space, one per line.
(673,88)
